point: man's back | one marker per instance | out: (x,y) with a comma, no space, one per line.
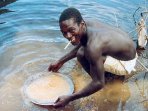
(114,42)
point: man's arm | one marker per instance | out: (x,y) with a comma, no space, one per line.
(70,55)
(58,64)
(96,73)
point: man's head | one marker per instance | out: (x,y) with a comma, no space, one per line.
(71,25)
(71,13)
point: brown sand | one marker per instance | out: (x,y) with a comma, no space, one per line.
(48,88)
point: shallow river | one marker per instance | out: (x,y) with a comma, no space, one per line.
(30,39)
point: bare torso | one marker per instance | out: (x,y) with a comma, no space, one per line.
(97,42)
(92,47)
(111,41)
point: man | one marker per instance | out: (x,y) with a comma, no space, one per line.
(93,41)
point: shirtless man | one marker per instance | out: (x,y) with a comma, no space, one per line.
(93,41)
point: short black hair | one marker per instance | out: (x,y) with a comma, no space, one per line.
(71,13)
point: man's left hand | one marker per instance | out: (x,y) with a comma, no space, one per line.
(62,101)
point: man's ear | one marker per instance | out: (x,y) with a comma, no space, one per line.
(82,23)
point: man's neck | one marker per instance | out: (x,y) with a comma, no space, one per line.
(84,38)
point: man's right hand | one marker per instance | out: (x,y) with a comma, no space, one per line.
(55,66)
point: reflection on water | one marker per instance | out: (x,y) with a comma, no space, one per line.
(6,2)
(2,4)
(31,57)
(30,40)
(5,11)
(110,98)
(116,96)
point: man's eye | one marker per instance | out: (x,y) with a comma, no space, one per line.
(64,33)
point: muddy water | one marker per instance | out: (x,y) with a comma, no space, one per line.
(27,58)
(30,40)
(21,60)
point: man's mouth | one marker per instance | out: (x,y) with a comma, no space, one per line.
(73,39)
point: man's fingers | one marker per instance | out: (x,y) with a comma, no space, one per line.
(55,70)
(58,105)
(57,100)
(50,68)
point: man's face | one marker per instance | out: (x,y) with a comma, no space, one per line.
(71,30)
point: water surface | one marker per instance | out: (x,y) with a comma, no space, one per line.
(30,39)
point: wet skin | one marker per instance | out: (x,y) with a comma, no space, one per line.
(93,42)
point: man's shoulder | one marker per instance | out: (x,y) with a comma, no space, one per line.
(90,21)
(97,24)
(95,44)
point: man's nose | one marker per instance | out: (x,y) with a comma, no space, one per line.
(69,35)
